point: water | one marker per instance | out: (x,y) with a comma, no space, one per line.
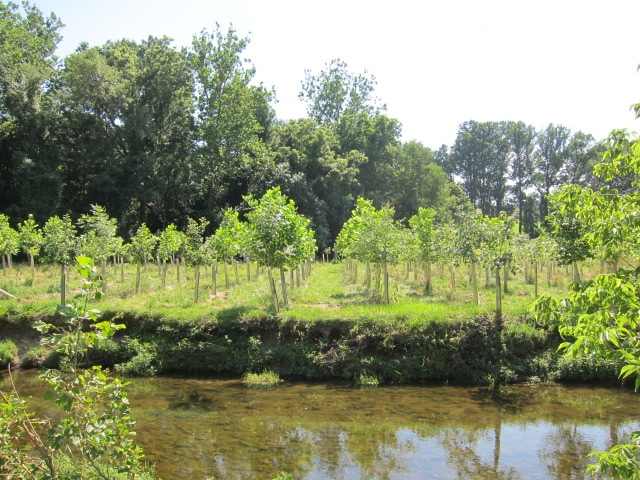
(197,428)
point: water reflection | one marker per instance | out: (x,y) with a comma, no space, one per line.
(201,428)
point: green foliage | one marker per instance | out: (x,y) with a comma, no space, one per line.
(59,242)
(95,426)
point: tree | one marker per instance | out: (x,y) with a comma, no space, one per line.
(278,237)
(170,244)
(30,241)
(195,252)
(336,92)
(422,225)
(416,181)
(29,182)
(374,236)
(521,138)
(129,130)
(480,158)
(601,316)
(228,113)
(550,157)
(59,245)
(141,249)
(227,241)
(9,242)
(98,239)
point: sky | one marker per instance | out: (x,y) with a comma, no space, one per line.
(437,63)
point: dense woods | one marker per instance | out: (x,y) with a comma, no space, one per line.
(157,135)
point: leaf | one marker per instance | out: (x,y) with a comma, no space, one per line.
(41,326)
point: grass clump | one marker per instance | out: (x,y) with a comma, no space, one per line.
(266,379)
(366,380)
(8,352)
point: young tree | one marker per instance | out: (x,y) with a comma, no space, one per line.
(30,241)
(98,239)
(195,251)
(278,236)
(170,243)
(60,244)
(9,242)
(422,225)
(141,249)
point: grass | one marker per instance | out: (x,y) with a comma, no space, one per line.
(8,352)
(266,379)
(330,293)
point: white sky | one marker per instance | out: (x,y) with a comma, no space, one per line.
(437,63)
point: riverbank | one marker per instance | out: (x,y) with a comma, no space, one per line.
(458,351)
(333,328)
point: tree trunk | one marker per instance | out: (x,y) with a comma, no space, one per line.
(235,270)
(427,277)
(196,275)
(32,263)
(137,278)
(386,284)
(226,275)
(63,285)
(474,282)
(506,278)
(576,272)
(274,292)
(452,275)
(164,273)
(214,278)
(248,269)
(535,279)
(285,299)
(498,294)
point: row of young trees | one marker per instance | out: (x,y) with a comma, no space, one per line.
(275,236)
(374,238)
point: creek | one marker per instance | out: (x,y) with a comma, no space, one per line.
(198,428)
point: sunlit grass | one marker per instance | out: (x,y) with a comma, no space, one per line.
(331,292)
(266,379)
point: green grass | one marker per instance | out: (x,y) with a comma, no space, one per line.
(266,379)
(330,293)
(8,352)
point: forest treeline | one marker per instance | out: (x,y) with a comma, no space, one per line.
(158,135)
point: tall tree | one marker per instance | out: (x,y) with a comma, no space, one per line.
(229,112)
(550,157)
(521,138)
(28,172)
(416,181)
(480,158)
(129,130)
(335,92)
(59,246)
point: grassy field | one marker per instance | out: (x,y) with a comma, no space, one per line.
(330,292)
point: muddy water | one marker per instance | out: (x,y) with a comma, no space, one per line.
(196,428)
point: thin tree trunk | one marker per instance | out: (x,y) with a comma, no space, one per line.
(427,277)
(248,270)
(535,279)
(226,275)
(506,278)
(235,269)
(283,281)
(386,284)
(196,275)
(214,278)
(137,278)
(474,282)
(164,273)
(274,292)
(32,263)
(452,275)
(63,285)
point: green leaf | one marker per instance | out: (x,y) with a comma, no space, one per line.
(41,326)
